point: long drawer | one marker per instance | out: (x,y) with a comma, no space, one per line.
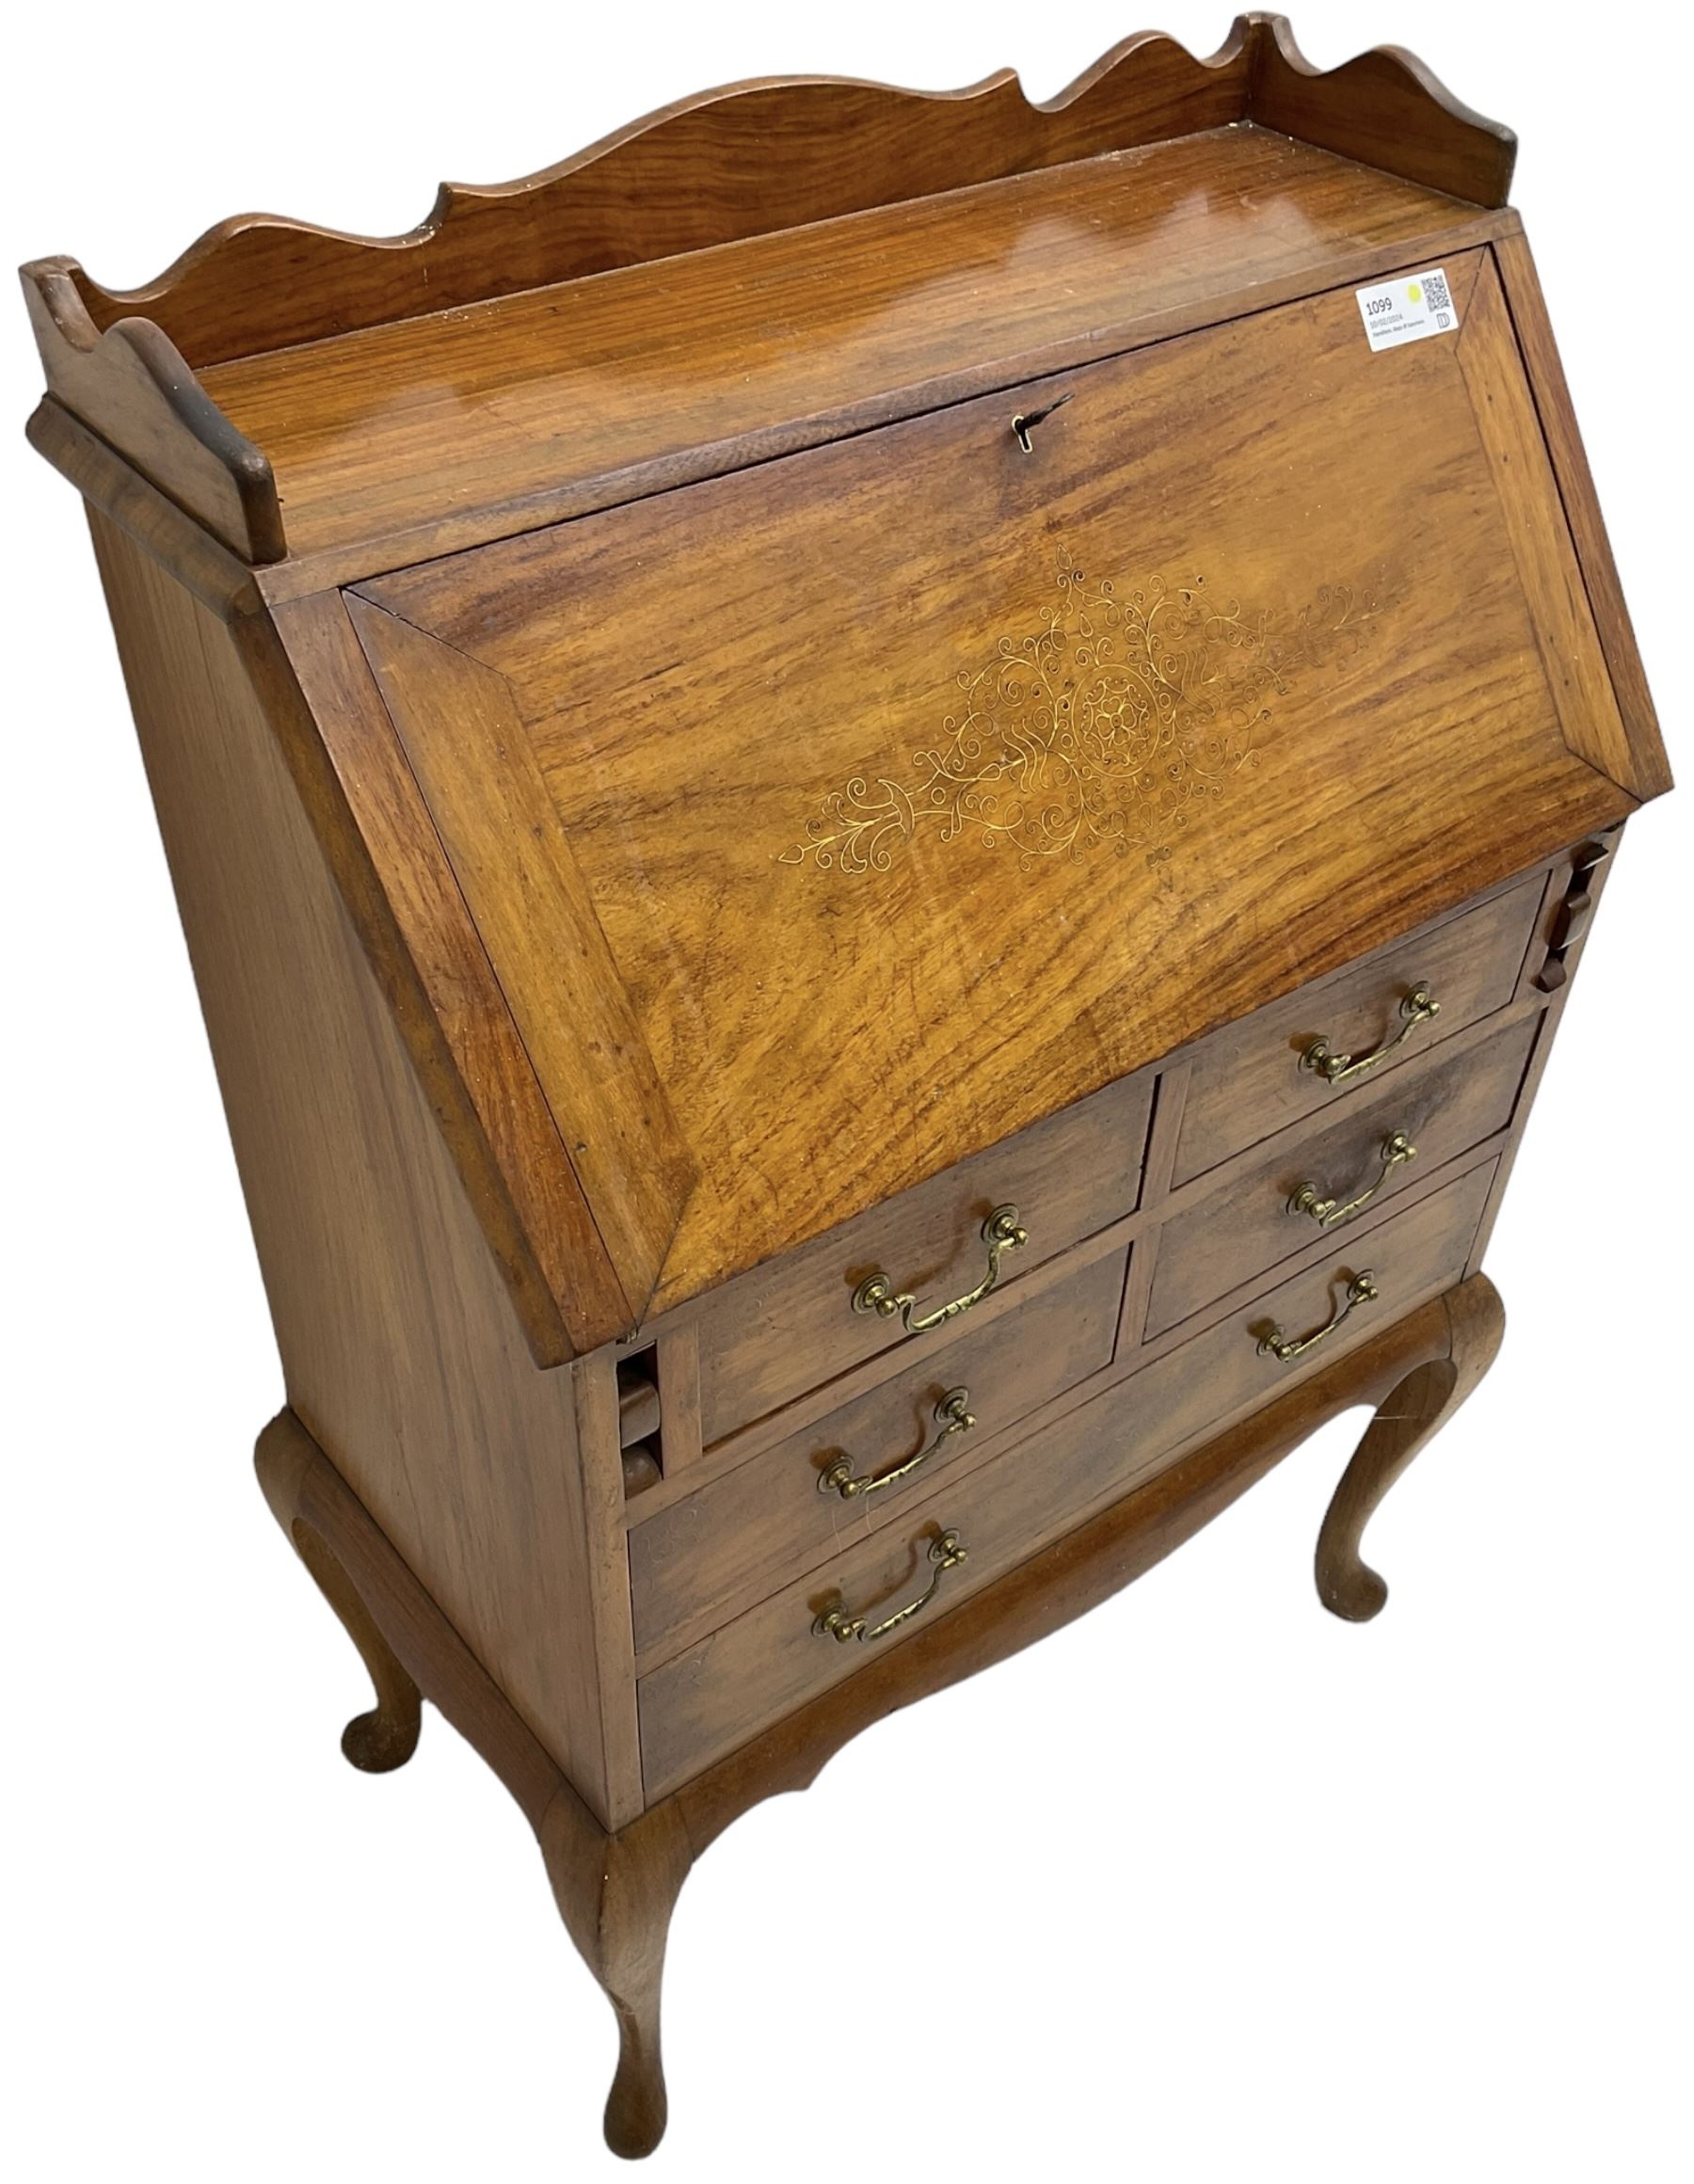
(1331,1173)
(783,1329)
(725,1689)
(812,1494)
(1314,1051)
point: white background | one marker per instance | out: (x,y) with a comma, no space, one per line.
(1210,1886)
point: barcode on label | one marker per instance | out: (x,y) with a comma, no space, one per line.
(1410,309)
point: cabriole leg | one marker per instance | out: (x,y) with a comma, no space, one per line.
(615,1890)
(1405,1419)
(386,1737)
(617,1893)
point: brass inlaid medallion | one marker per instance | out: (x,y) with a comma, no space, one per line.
(1107,727)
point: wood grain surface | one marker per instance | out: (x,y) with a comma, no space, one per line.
(767,1662)
(1402,1429)
(398,1339)
(485,793)
(1249,1079)
(1572,658)
(766,159)
(785,151)
(213,572)
(131,386)
(754,1527)
(789,1326)
(845,659)
(424,949)
(1443,1106)
(562,399)
(1650,773)
(933,909)
(615,1891)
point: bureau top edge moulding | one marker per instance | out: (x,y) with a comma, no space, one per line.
(624,1067)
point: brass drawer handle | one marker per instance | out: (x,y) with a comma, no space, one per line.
(953,1415)
(1362,1289)
(1325,1211)
(946,1552)
(1418,1008)
(876,1293)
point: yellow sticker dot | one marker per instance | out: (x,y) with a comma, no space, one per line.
(1414,291)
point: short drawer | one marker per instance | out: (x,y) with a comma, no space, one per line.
(774,1658)
(1335,1170)
(790,1326)
(777,1514)
(1253,1077)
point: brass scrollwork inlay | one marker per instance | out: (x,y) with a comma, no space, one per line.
(1120,717)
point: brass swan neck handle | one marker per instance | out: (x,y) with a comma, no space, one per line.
(1001,1232)
(953,1415)
(1328,1212)
(1274,1343)
(946,1552)
(1418,1007)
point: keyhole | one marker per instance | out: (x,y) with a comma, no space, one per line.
(1024,423)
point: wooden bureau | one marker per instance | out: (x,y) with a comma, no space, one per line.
(883,803)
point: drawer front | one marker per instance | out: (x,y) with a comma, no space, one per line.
(771,1660)
(790,1326)
(771,1519)
(1381,1142)
(1252,1077)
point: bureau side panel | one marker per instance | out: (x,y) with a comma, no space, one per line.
(402,1354)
